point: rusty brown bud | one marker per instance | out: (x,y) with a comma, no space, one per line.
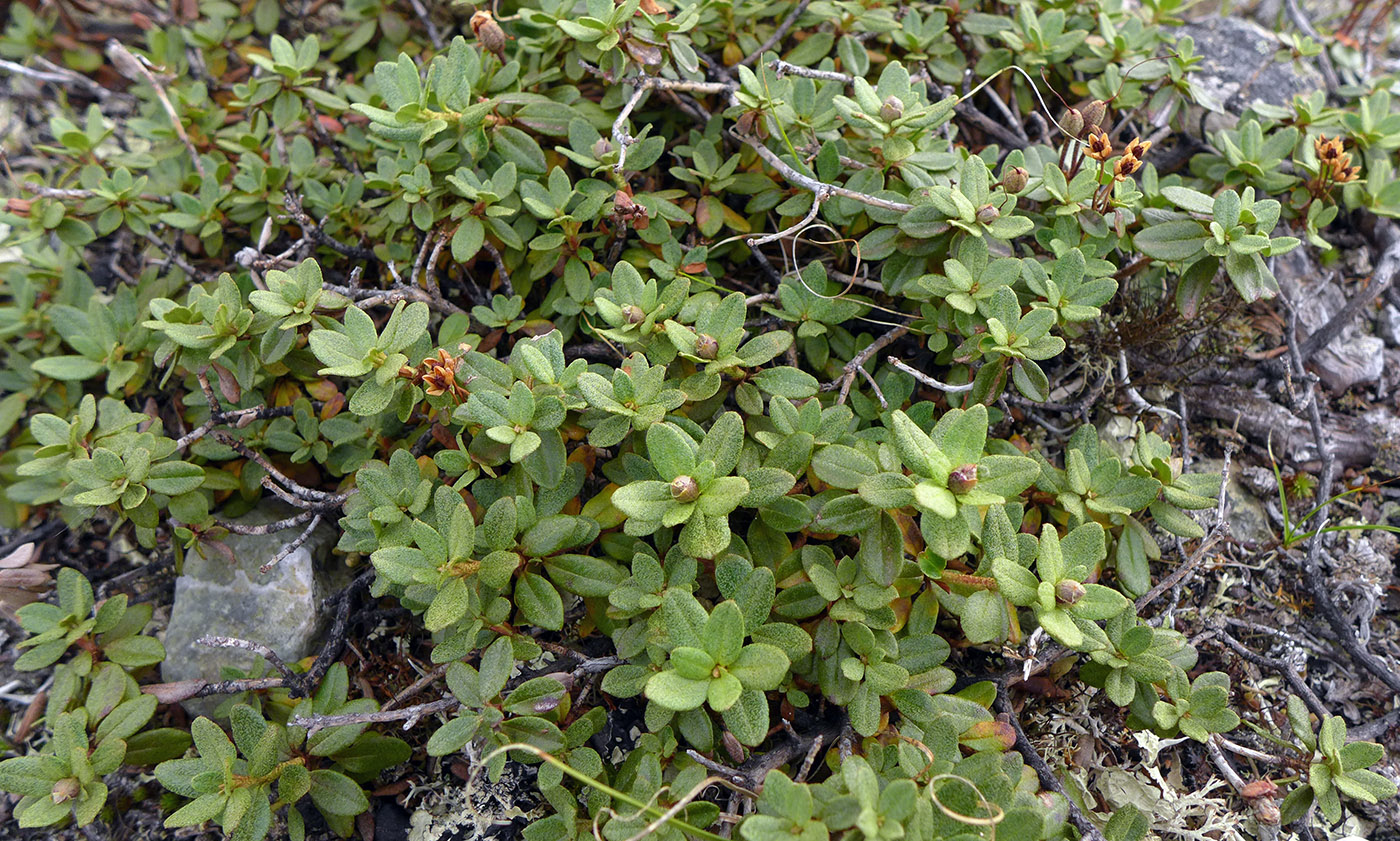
(963,479)
(1014,179)
(706,347)
(1069,591)
(633,314)
(601,147)
(987,214)
(684,489)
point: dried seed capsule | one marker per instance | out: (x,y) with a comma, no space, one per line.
(706,347)
(1069,591)
(987,214)
(1014,180)
(684,489)
(1073,122)
(963,479)
(1094,113)
(891,109)
(489,33)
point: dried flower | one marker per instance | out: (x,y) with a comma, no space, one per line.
(1073,122)
(1100,148)
(1094,113)
(489,33)
(437,375)
(1014,179)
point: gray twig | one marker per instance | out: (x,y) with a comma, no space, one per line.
(288,676)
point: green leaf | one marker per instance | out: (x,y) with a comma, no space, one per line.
(336,794)
(760,666)
(1173,242)
(539,602)
(674,692)
(723,634)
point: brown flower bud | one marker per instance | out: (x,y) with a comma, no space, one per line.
(66,789)
(706,347)
(489,33)
(633,314)
(1094,113)
(601,147)
(1069,591)
(891,109)
(684,489)
(1073,122)
(1014,179)
(987,214)
(963,479)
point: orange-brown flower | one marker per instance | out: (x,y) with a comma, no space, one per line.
(1333,161)
(1341,170)
(1100,148)
(1127,165)
(1138,148)
(1328,149)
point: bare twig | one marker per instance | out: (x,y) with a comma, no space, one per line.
(417,686)
(782,68)
(818,197)
(408,715)
(925,378)
(423,15)
(501,271)
(1316,578)
(255,647)
(311,228)
(1088,831)
(858,362)
(778,33)
(970,112)
(1300,20)
(644,84)
(78,194)
(267,528)
(1289,674)
(1218,530)
(57,75)
(808,183)
(309,494)
(1265,810)
(1387,267)
(295,544)
(335,641)
(134,68)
